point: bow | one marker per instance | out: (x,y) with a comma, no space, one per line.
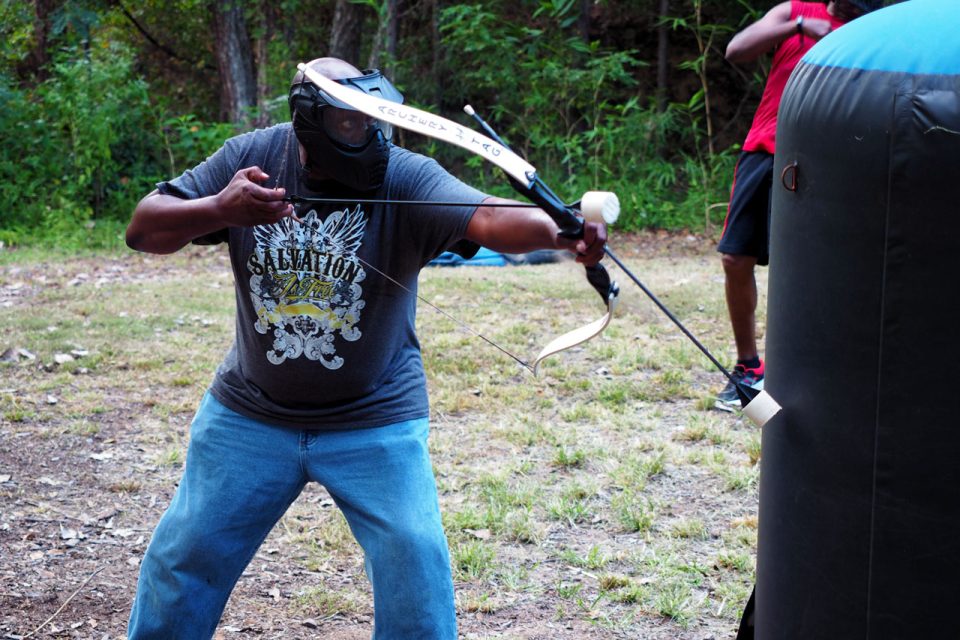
(759,406)
(522,175)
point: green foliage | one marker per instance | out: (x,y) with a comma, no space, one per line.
(94,114)
(93,110)
(186,141)
(16,33)
(82,147)
(573,109)
(70,147)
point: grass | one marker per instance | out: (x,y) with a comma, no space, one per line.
(473,560)
(606,489)
(322,602)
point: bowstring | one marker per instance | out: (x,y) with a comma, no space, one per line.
(447,315)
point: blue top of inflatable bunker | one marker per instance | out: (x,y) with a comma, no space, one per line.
(915,36)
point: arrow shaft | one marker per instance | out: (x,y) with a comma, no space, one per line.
(669,314)
(426,203)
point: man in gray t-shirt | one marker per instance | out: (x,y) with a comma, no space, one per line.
(324,381)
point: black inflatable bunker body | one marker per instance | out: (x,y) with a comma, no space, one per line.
(859,533)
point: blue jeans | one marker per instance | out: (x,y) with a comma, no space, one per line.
(239,479)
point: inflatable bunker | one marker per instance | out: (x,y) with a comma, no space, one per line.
(859,525)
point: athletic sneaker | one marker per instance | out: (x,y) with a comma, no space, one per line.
(750,377)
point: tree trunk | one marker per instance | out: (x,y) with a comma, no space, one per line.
(34,66)
(238,82)
(384,50)
(393,32)
(663,63)
(583,23)
(345,32)
(437,60)
(263,63)
(704,48)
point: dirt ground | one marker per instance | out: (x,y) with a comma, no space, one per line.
(77,507)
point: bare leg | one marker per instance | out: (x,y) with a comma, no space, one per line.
(741,290)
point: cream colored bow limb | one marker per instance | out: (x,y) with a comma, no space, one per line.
(577,336)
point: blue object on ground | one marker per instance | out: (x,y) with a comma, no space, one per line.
(484,258)
(489,258)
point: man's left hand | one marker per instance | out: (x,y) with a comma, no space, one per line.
(589,248)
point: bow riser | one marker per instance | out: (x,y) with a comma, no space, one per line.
(571,226)
(566,218)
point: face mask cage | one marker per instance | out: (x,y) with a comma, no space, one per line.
(313,109)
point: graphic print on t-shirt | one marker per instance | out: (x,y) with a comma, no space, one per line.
(305,284)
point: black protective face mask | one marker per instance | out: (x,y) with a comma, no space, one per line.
(342,145)
(359,169)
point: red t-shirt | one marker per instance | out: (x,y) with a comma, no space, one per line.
(764,128)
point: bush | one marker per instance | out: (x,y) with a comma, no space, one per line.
(80,149)
(573,109)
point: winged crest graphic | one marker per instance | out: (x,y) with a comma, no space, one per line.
(306,287)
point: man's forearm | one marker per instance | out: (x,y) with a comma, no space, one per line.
(164,224)
(762,36)
(510,230)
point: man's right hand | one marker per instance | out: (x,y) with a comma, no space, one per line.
(245,203)
(165,223)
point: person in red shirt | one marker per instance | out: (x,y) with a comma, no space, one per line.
(790,29)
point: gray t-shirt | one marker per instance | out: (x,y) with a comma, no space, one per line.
(323,339)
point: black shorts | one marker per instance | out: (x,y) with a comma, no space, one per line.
(746,231)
